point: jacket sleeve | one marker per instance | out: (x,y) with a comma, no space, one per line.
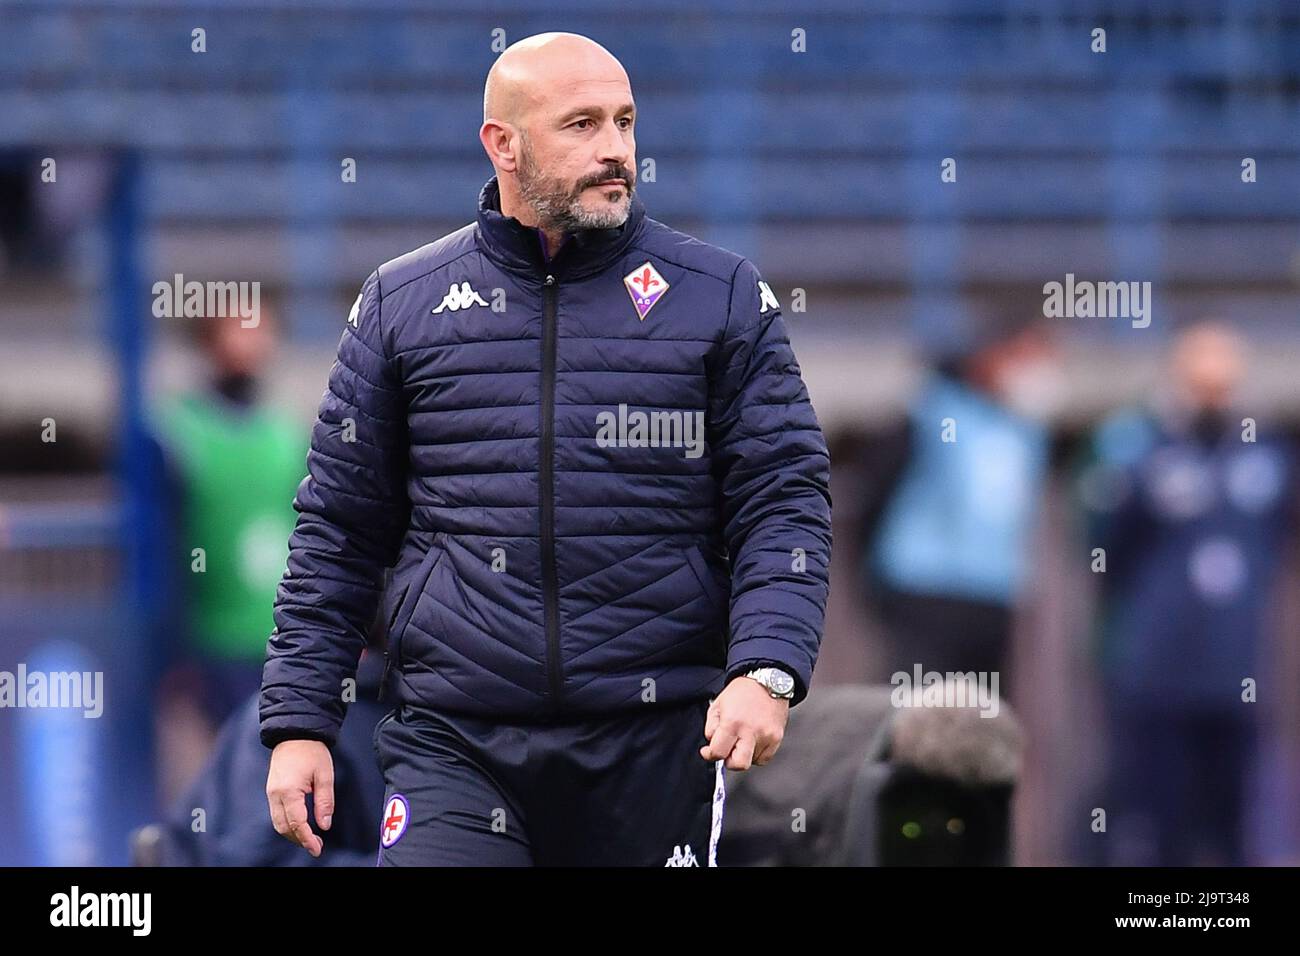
(353,511)
(773,469)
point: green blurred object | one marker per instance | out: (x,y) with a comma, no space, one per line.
(239,471)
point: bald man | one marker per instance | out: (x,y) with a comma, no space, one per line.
(582,441)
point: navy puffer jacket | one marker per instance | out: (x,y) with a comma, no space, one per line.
(598,478)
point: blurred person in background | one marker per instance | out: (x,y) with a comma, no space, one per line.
(951,496)
(233,463)
(1192,508)
(234,828)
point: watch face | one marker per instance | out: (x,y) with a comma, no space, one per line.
(782,682)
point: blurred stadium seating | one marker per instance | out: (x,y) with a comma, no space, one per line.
(822,167)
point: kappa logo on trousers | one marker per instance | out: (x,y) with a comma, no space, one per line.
(682,857)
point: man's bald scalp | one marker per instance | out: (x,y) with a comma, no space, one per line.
(526,66)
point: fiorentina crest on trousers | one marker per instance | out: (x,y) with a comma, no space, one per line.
(397,814)
(646,287)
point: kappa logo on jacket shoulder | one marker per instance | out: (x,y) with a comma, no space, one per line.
(456,299)
(646,287)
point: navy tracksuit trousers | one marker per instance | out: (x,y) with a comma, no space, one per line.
(620,790)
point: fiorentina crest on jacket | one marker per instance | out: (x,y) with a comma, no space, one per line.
(646,287)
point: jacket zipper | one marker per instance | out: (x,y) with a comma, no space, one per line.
(546,481)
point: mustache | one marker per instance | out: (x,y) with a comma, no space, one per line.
(624,175)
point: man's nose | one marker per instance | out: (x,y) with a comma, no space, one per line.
(613,148)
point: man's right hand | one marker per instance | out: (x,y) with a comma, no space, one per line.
(300,767)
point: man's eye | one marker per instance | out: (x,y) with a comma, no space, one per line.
(582,121)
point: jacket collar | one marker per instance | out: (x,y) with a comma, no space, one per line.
(518,248)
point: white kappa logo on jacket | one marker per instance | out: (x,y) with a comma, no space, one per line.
(459,298)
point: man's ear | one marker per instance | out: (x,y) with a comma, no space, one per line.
(497,139)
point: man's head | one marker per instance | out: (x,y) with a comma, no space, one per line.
(558,120)
(1010,354)
(1208,362)
(235,349)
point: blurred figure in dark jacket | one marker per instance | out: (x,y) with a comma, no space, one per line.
(1191,503)
(951,498)
(231,793)
(232,464)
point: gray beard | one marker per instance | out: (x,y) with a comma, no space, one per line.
(558,208)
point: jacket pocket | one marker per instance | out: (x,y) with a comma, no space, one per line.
(394,605)
(717,592)
(411,597)
(719,595)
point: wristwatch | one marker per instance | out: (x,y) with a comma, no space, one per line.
(778,683)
